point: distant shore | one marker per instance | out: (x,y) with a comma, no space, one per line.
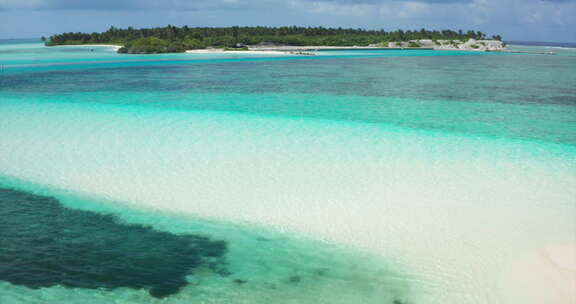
(484,46)
(423,44)
(249,51)
(115,46)
(171,39)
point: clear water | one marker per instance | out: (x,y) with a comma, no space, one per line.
(347,177)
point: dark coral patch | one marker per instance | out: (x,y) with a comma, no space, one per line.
(295,279)
(43,244)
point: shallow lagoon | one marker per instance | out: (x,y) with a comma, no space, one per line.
(416,179)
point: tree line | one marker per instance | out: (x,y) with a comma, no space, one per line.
(180,38)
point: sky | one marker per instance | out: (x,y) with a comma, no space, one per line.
(519,20)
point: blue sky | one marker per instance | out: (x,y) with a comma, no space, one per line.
(536,20)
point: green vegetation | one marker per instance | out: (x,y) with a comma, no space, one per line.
(178,39)
(236,49)
(413,44)
(152,45)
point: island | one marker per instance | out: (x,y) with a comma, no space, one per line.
(172,39)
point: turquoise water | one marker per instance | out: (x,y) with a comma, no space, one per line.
(346,177)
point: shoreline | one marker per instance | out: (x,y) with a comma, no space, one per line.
(471,45)
(223,51)
(115,46)
(308,50)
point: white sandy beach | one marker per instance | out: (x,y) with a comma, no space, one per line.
(252,52)
(482,45)
(116,47)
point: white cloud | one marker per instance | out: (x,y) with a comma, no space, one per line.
(394,9)
(413,9)
(337,9)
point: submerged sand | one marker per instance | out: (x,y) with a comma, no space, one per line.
(473,220)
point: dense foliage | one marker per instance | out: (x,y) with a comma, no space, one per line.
(177,39)
(152,45)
